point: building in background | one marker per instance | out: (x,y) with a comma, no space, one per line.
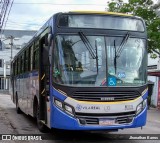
(11,42)
(153,69)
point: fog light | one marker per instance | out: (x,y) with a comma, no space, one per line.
(68,109)
(58,103)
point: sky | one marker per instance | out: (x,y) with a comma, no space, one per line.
(32,14)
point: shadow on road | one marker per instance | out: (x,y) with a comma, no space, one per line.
(95,136)
(80,136)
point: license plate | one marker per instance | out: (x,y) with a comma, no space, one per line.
(106,122)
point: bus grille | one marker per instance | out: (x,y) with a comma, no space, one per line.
(103,96)
(93,119)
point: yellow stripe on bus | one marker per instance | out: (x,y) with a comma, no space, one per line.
(43,91)
(102,12)
(118,102)
(144,92)
(43,77)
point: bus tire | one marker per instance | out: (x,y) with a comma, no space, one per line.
(17,106)
(41,126)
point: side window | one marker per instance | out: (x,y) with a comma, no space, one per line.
(15,67)
(36,59)
(22,64)
(19,66)
(26,61)
(29,59)
(1,62)
(36,56)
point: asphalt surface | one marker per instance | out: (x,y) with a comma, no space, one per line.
(13,123)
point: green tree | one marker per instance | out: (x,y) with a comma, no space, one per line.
(144,9)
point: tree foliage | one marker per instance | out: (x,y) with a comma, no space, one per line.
(144,9)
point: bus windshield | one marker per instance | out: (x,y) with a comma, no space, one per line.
(104,63)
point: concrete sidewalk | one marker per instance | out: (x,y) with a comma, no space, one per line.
(6,126)
(154,115)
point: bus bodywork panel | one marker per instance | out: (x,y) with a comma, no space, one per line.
(26,87)
(61,119)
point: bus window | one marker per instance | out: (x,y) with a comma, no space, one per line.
(36,59)
(29,59)
(26,61)
(22,64)
(15,68)
(19,66)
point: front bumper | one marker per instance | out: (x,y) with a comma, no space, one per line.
(62,120)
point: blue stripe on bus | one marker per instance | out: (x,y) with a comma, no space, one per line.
(57,94)
(27,75)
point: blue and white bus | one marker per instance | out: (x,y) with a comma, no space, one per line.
(84,71)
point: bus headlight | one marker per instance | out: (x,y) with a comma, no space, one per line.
(68,109)
(58,103)
(63,106)
(141,106)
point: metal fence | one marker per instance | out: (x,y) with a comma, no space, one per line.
(4,83)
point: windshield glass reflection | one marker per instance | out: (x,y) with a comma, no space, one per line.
(129,64)
(77,64)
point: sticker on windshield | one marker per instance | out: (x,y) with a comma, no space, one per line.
(112,81)
(103,82)
(121,74)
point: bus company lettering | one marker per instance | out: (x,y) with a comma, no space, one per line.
(80,107)
(128,107)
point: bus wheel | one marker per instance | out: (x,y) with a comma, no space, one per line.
(41,126)
(17,106)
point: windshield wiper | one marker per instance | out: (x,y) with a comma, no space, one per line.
(122,45)
(115,58)
(87,44)
(119,50)
(93,53)
(96,55)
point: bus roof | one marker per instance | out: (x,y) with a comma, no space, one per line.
(101,12)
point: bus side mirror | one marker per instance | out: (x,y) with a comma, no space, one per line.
(49,39)
(46,49)
(49,47)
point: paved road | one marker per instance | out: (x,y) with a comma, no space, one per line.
(11,122)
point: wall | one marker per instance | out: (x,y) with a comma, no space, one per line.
(154,79)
